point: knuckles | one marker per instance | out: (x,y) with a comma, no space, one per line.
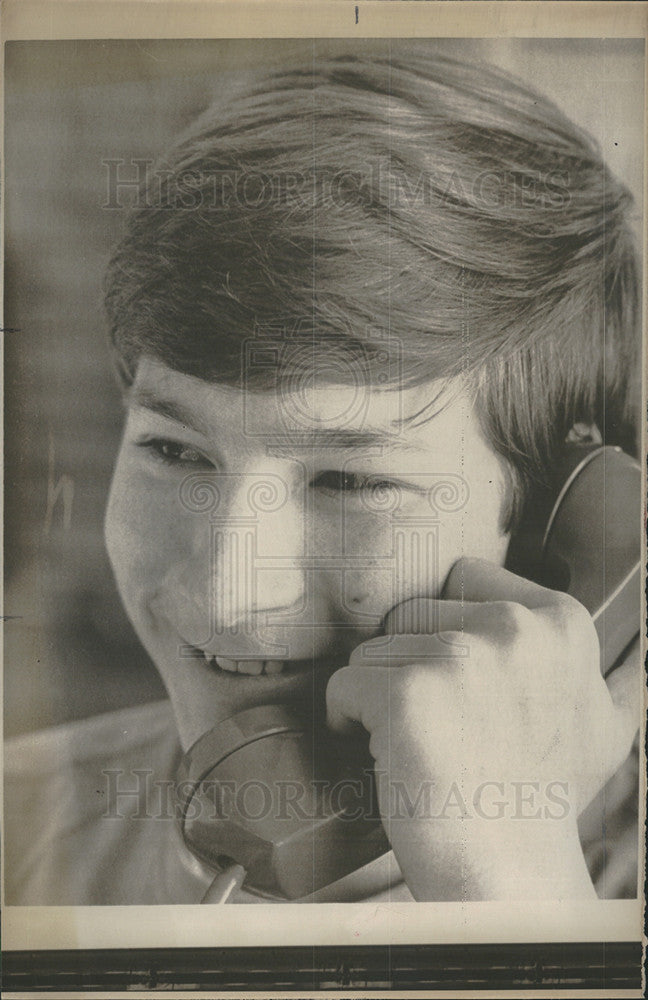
(560,632)
(509,621)
(573,620)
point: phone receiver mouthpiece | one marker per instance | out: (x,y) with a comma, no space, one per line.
(263,791)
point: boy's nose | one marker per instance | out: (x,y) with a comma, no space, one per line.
(253,570)
(257,568)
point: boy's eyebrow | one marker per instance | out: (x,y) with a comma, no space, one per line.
(298,440)
(148,400)
(342,437)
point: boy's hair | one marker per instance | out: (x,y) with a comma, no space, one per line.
(439,211)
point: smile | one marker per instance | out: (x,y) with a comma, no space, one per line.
(253,667)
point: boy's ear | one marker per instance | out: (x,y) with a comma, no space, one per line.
(582,433)
(123,374)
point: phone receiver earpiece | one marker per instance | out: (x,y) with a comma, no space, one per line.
(593,535)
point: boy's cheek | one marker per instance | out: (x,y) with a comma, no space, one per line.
(481,539)
(417,563)
(417,569)
(140,537)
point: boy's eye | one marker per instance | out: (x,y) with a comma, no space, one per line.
(351,482)
(173,452)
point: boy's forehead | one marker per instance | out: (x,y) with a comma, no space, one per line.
(337,415)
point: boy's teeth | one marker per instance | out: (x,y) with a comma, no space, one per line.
(248,666)
(226,664)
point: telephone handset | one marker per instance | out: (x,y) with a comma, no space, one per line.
(583,538)
(296,811)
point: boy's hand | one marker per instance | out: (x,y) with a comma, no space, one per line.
(491,728)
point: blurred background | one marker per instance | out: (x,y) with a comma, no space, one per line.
(69,650)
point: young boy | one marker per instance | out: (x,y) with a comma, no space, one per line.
(357,314)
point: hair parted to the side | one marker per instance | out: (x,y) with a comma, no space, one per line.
(436,209)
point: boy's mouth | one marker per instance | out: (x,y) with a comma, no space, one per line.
(253,667)
(250,667)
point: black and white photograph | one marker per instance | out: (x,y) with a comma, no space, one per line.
(324,456)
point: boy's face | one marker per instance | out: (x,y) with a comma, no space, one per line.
(258,537)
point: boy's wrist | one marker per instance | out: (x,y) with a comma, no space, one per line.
(520,859)
(538,859)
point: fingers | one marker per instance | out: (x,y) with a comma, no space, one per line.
(483,604)
(400,650)
(425,616)
(479,580)
(471,585)
(352,695)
